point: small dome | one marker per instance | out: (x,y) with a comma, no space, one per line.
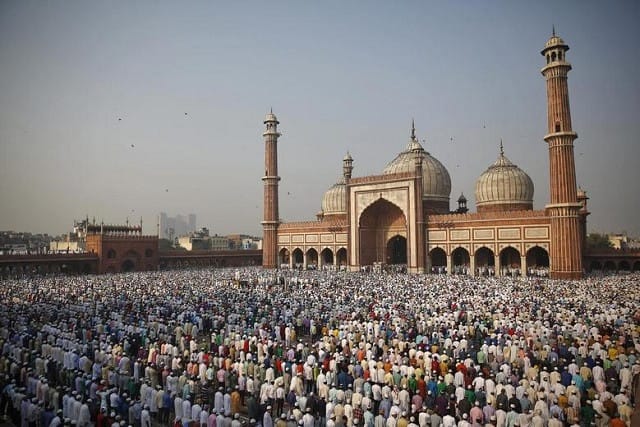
(504,186)
(462,199)
(335,198)
(554,41)
(270,117)
(436,181)
(348,157)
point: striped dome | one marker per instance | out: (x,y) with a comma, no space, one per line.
(436,180)
(334,200)
(504,183)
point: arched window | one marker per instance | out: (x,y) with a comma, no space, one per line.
(548,58)
(553,56)
(558,127)
(111,253)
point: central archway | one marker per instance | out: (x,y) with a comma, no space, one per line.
(128,266)
(379,224)
(397,250)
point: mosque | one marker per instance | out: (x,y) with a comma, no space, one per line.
(402,216)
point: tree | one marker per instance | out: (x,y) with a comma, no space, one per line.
(598,241)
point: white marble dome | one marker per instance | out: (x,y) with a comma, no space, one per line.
(436,181)
(335,199)
(504,183)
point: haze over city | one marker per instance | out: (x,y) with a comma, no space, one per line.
(124,110)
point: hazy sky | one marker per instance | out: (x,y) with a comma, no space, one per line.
(192,81)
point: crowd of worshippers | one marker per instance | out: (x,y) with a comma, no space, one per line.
(264,348)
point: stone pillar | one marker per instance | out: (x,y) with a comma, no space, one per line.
(472,264)
(449,264)
(497,264)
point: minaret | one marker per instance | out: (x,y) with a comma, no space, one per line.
(270,179)
(347,172)
(421,245)
(566,248)
(347,167)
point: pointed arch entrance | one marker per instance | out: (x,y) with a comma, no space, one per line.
(284,256)
(510,261)
(326,256)
(485,262)
(397,250)
(438,259)
(460,261)
(537,261)
(128,266)
(595,266)
(624,266)
(378,224)
(341,257)
(298,257)
(311,259)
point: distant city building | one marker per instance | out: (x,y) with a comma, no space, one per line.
(219,243)
(199,240)
(72,242)
(23,243)
(622,241)
(244,242)
(172,227)
(202,240)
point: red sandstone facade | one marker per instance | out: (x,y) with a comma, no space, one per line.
(122,248)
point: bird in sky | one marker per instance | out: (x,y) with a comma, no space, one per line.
(132,146)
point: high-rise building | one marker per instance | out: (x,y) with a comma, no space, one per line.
(173,227)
